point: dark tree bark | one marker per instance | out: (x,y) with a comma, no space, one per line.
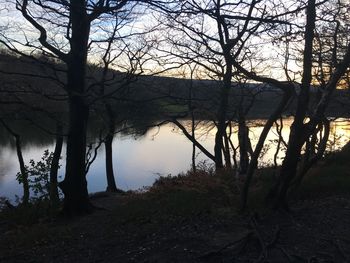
(193,140)
(111,185)
(288,90)
(24,174)
(260,144)
(74,186)
(279,129)
(313,157)
(234,149)
(194,168)
(191,108)
(226,151)
(243,139)
(54,197)
(222,112)
(297,134)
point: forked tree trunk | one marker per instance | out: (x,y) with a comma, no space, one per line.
(306,166)
(278,193)
(260,144)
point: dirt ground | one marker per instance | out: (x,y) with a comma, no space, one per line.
(315,231)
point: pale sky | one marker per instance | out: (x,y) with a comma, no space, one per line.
(272,55)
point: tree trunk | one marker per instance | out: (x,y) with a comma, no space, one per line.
(74,186)
(222,111)
(193,144)
(218,147)
(54,197)
(24,174)
(260,144)
(243,137)
(226,151)
(23,170)
(193,140)
(111,185)
(318,155)
(193,124)
(288,170)
(298,130)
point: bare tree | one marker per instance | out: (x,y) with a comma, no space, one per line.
(67,31)
(133,49)
(301,129)
(214,35)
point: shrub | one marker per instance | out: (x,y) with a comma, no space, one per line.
(39,176)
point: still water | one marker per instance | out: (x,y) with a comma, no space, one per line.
(138,161)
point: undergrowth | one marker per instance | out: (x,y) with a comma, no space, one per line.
(330,177)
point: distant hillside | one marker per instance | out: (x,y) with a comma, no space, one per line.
(40,83)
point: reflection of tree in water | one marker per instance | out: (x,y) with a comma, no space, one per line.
(30,134)
(3,167)
(37,130)
(8,161)
(131,120)
(6,152)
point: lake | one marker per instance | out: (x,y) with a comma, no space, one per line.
(139,161)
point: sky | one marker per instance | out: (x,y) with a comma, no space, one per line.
(271,54)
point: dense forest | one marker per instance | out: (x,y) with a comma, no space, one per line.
(69,69)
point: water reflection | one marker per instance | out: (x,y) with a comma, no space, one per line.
(138,161)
